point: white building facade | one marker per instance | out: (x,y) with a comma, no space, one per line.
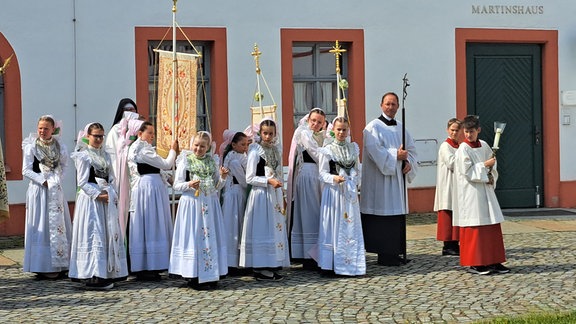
(505,60)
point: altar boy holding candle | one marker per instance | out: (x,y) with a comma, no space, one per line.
(476,209)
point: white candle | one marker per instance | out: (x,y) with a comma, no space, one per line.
(497,137)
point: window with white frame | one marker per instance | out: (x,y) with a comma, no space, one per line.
(314,78)
(203,78)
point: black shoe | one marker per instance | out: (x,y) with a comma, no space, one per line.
(194,284)
(246,271)
(450,252)
(201,286)
(99,286)
(310,264)
(148,276)
(328,273)
(235,272)
(206,286)
(262,277)
(277,276)
(451,248)
(481,270)
(51,275)
(390,260)
(499,268)
(191,282)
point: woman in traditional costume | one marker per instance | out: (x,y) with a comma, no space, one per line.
(340,241)
(151,227)
(199,245)
(234,196)
(98,256)
(48,225)
(304,189)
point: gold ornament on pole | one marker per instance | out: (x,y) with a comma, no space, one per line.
(256,54)
(258,109)
(337,51)
(341,83)
(261,111)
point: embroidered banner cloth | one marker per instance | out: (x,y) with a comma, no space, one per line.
(185,98)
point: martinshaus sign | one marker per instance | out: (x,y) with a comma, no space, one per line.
(507,10)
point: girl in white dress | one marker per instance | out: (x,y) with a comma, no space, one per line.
(340,241)
(98,256)
(199,245)
(234,194)
(264,243)
(48,225)
(150,224)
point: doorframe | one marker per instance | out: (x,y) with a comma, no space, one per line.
(550,90)
(12,112)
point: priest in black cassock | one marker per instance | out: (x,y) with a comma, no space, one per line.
(383,199)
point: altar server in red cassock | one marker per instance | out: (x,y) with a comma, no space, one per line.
(444,185)
(476,208)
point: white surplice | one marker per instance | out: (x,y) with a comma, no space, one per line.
(383,190)
(444,177)
(475,201)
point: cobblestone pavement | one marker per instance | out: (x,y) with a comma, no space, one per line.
(429,289)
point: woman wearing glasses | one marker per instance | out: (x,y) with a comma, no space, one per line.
(98,256)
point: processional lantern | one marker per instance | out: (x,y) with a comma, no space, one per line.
(498,130)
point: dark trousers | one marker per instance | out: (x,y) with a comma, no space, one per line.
(386,236)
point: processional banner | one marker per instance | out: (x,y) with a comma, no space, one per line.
(185,97)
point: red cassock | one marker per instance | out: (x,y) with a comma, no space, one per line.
(445,231)
(481,245)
